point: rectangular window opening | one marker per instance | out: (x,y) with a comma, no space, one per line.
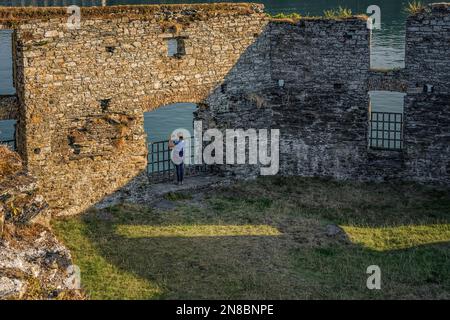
(7,72)
(176,47)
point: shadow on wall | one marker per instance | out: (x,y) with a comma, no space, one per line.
(269,88)
(316,95)
(108,150)
(316,98)
(322,113)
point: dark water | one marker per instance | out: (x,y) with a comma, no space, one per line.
(387,48)
(160,123)
(6,83)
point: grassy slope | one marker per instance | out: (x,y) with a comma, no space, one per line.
(267,239)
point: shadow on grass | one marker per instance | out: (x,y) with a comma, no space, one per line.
(181,259)
(267,240)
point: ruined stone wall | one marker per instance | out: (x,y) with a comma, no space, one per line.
(28,249)
(426,81)
(427,59)
(323,112)
(427,104)
(322,109)
(427,138)
(316,97)
(83,92)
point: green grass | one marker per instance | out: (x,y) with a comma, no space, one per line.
(291,17)
(102,278)
(267,239)
(339,13)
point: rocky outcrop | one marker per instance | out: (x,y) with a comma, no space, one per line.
(33,263)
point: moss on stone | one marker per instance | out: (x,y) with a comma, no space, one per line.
(283,17)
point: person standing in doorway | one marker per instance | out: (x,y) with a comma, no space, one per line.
(177,147)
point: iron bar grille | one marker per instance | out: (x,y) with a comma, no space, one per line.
(160,166)
(386,130)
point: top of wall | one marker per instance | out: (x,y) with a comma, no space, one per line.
(433,9)
(12,17)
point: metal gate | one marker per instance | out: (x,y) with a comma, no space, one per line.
(386,131)
(160,167)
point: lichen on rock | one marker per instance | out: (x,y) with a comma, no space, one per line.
(33,263)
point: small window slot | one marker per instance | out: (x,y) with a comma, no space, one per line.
(176,47)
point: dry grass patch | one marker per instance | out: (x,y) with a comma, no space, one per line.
(414,7)
(399,237)
(339,13)
(190,231)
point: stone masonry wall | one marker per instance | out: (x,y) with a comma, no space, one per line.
(427,59)
(322,108)
(9,107)
(426,81)
(387,80)
(323,112)
(427,104)
(82,93)
(427,138)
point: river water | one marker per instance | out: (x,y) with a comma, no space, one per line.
(387,52)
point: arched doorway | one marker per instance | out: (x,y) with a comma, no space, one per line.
(159,126)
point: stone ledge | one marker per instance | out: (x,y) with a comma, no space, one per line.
(440,7)
(314,19)
(432,9)
(13,16)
